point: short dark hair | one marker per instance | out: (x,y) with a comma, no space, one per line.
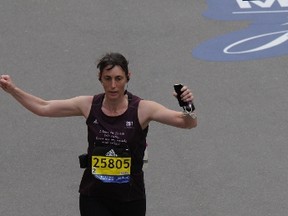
(112,60)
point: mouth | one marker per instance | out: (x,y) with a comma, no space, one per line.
(113,93)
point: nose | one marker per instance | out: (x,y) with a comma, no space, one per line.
(113,83)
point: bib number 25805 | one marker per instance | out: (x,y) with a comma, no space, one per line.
(103,165)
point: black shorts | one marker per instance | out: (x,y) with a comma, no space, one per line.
(94,206)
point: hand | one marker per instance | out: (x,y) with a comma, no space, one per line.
(186,95)
(6,83)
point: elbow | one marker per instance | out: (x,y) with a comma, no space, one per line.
(193,124)
(39,113)
(42,112)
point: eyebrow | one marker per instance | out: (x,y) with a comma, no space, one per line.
(117,76)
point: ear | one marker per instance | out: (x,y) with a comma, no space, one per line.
(128,76)
(99,77)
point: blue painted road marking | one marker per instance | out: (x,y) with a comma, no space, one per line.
(267,35)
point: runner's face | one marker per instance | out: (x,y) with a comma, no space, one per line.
(113,82)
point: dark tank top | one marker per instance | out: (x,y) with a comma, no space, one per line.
(118,131)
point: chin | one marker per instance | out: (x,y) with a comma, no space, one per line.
(114,95)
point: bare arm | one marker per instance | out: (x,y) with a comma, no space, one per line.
(152,111)
(78,106)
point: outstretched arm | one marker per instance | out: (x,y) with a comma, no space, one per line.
(53,108)
(153,111)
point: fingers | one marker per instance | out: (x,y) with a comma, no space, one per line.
(1,80)
(4,77)
(186,95)
(5,82)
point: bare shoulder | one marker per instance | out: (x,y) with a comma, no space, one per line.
(149,103)
(84,103)
(148,106)
(153,110)
(85,99)
(144,112)
(149,111)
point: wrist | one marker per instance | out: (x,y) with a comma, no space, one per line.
(191,114)
(12,90)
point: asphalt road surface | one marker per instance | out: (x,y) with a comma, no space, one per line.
(234,163)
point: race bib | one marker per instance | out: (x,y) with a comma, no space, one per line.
(111,165)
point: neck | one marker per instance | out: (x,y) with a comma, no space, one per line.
(115,107)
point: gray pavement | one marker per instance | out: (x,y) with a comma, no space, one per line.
(233,164)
